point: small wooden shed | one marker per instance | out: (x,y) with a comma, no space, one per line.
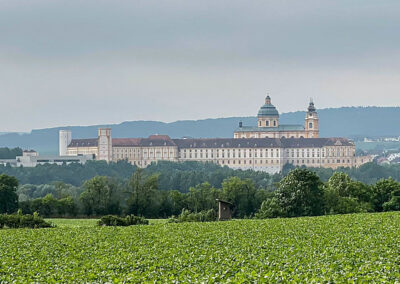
(224,210)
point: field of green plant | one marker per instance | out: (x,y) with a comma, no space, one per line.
(73,222)
(359,247)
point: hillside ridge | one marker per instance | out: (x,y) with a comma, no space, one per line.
(350,122)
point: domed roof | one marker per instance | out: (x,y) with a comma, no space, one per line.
(268,109)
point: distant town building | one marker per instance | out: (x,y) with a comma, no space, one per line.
(11,162)
(268,125)
(32,158)
(267,147)
(65,138)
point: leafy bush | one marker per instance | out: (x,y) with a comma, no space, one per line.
(202,216)
(394,203)
(136,220)
(270,208)
(111,220)
(23,221)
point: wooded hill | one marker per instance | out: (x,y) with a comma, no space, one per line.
(351,122)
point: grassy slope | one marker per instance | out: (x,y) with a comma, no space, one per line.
(359,247)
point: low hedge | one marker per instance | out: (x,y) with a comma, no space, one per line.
(130,220)
(23,221)
(202,216)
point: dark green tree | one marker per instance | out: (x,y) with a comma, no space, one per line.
(8,194)
(100,196)
(270,208)
(343,195)
(382,192)
(300,193)
(143,195)
(242,193)
(203,197)
(394,203)
(7,153)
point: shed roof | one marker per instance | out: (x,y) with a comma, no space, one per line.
(224,201)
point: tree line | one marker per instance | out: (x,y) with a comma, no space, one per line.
(141,196)
(10,153)
(301,192)
(177,176)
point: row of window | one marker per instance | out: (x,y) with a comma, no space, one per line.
(338,161)
(230,153)
(244,162)
(268,123)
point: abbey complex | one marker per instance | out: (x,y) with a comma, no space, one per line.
(267,146)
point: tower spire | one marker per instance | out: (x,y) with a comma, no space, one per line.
(311,107)
(268,99)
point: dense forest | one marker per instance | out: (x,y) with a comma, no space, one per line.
(7,153)
(165,189)
(180,176)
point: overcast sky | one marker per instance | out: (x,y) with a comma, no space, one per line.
(92,62)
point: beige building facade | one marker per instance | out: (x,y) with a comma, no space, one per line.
(259,154)
(267,147)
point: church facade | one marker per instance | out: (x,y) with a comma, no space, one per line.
(268,125)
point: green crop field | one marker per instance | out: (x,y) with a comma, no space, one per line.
(73,222)
(347,248)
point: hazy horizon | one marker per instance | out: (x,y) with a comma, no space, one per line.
(102,62)
(184,120)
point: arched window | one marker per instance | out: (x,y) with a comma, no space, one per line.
(310,125)
(274,122)
(267,123)
(259,123)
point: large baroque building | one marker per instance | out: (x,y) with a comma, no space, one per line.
(265,148)
(268,125)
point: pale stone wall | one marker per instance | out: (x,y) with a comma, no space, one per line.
(105,144)
(144,156)
(160,153)
(75,151)
(132,154)
(361,160)
(325,157)
(259,159)
(269,160)
(65,137)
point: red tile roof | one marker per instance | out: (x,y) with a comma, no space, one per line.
(126,142)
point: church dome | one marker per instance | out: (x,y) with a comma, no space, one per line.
(268,109)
